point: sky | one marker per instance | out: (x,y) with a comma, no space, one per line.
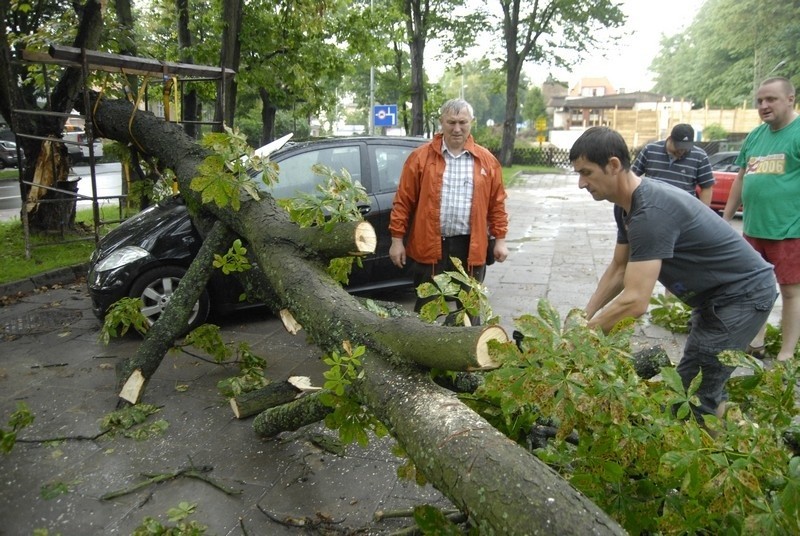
(628,61)
(626,65)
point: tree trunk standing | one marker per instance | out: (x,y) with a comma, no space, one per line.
(127,39)
(17,93)
(503,486)
(416,31)
(514,61)
(229,58)
(268,112)
(189,113)
(510,123)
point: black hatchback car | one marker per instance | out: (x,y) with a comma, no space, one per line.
(147,255)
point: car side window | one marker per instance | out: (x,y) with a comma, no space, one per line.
(388,161)
(295,175)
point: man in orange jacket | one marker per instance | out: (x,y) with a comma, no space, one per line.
(450,199)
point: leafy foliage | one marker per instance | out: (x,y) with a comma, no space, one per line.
(714,131)
(178,515)
(431,520)
(349,417)
(228,171)
(129,421)
(251,374)
(456,285)
(336,199)
(773,340)
(122,315)
(640,454)
(18,420)
(53,490)
(235,260)
(725,52)
(670,313)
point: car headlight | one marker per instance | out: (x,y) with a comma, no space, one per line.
(121,257)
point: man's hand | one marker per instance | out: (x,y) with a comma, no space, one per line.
(500,250)
(397,252)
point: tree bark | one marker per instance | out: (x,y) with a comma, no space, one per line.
(416,13)
(292,416)
(133,374)
(17,92)
(189,94)
(505,488)
(269,396)
(229,58)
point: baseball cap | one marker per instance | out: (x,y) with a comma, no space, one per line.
(682,136)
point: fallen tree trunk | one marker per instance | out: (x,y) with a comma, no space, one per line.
(506,489)
(134,373)
(294,273)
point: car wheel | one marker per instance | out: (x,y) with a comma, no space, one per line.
(155,289)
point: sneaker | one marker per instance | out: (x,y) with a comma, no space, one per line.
(759,352)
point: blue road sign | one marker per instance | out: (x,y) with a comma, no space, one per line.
(385,115)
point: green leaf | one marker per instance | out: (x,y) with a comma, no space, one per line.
(431,520)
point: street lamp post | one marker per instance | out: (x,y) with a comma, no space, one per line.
(371,111)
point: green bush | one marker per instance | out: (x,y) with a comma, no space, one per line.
(714,132)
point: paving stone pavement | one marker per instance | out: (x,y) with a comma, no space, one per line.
(51,359)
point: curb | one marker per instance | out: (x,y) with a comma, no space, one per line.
(59,276)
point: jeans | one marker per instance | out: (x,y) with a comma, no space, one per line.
(714,328)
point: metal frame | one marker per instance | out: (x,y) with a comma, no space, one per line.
(88,60)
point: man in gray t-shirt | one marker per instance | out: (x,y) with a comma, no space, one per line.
(665,235)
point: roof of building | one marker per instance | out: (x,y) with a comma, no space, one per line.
(592,82)
(624,100)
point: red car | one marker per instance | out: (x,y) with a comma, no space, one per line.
(722,187)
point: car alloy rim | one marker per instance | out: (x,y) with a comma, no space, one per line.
(156,297)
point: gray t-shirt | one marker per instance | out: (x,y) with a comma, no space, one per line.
(704,260)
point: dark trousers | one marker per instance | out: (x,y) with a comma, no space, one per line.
(452,246)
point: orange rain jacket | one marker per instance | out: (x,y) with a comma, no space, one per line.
(417,203)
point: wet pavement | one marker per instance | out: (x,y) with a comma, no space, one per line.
(61,468)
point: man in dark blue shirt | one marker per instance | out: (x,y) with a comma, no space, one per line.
(679,162)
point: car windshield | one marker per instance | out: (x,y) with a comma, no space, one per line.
(722,161)
(295,175)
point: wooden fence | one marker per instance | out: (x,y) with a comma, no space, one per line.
(642,126)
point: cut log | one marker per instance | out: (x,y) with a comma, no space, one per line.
(292,416)
(269,396)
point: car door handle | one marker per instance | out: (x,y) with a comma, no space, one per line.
(364,209)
